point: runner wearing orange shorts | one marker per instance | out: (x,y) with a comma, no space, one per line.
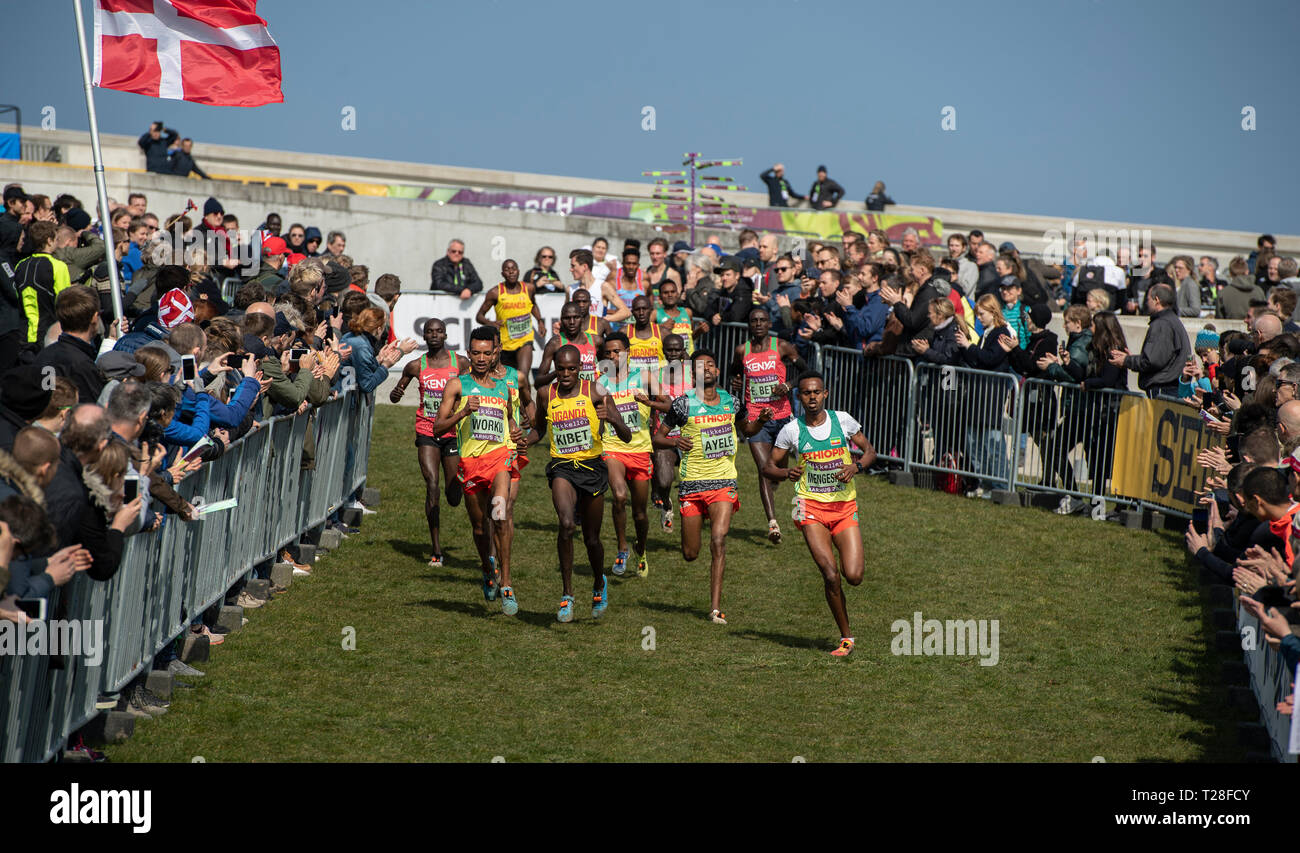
(708,419)
(629,462)
(825,501)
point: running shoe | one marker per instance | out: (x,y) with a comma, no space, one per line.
(565,613)
(642,566)
(600,600)
(717,617)
(508,604)
(774,532)
(620,564)
(845,648)
(666,523)
(435,562)
(490,585)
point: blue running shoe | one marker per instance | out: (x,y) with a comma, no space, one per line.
(600,600)
(508,604)
(490,586)
(566,609)
(620,564)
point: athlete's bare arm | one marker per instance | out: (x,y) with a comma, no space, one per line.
(752,428)
(545,373)
(604,410)
(489,301)
(539,417)
(409,372)
(609,294)
(776,469)
(868,453)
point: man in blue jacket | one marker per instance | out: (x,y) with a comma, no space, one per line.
(779,191)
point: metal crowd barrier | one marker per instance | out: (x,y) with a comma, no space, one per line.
(878,392)
(168,578)
(1271,682)
(1068,437)
(722,341)
(964,423)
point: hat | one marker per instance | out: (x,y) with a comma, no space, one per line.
(1040,314)
(727,263)
(212,206)
(253,346)
(821,168)
(119,365)
(282,325)
(1291,462)
(76,219)
(175,308)
(337,279)
(1206,339)
(682,246)
(1008,246)
(25,391)
(1009,281)
(208,291)
(296,258)
(311,233)
(274,246)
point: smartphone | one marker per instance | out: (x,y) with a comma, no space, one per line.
(33,607)
(1273,596)
(1201,519)
(130,489)
(295,355)
(189,368)
(1208,418)
(1234,449)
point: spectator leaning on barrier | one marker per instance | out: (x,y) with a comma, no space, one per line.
(1165,349)
(877,199)
(453,273)
(181,161)
(825,193)
(779,191)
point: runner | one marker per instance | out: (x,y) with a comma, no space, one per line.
(595,325)
(572,409)
(610,305)
(432,371)
(629,462)
(759,366)
(516,308)
(659,271)
(572,319)
(708,418)
(826,506)
(478,407)
(521,407)
(678,317)
(673,383)
(630,280)
(645,338)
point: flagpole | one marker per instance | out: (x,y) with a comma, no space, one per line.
(101,187)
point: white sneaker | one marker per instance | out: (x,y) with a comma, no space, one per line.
(301,573)
(359,505)
(248,602)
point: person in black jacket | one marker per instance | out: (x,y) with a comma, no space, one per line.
(986,260)
(73,354)
(155,144)
(11,227)
(453,273)
(735,296)
(941,346)
(779,191)
(877,199)
(182,161)
(24,395)
(915,317)
(824,193)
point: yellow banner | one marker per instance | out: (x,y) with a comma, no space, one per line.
(1156,445)
(309,185)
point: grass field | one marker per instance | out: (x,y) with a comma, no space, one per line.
(1103,647)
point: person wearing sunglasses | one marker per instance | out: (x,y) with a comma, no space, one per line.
(543,276)
(453,273)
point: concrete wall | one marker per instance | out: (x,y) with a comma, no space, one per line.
(1027,231)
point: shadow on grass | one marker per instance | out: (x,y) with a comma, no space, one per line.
(418,550)
(1199,660)
(485,610)
(784,640)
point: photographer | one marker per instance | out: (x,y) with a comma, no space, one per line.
(155,143)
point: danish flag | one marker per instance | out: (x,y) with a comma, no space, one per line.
(207,51)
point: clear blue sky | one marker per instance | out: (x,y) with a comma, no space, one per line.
(1106,109)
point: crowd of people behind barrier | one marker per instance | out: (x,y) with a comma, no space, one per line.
(102,417)
(131,397)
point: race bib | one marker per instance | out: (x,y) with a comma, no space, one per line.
(488,423)
(573,435)
(762,389)
(820,477)
(630,411)
(519,327)
(718,442)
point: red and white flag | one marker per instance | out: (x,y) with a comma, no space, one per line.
(206,51)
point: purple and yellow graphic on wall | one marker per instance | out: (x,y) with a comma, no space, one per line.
(813,223)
